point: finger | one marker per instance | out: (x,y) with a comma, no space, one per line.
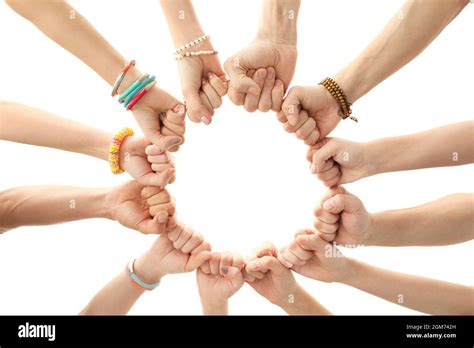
(330,176)
(177,116)
(324,150)
(236,97)
(218,83)
(197,260)
(312,138)
(202,247)
(266,249)
(214,263)
(170,128)
(197,110)
(265,102)
(205,268)
(238,261)
(192,243)
(149,191)
(299,252)
(173,235)
(284,261)
(159,159)
(324,227)
(211,94)
(225,262)
(306,129)
(325,216)
(183,238)
(232,273)
(157,179)
(281,117)
(302,118)
(312,242)
(343,202)
(248,277)
(238,77)
(270,263)
(292,104)
(290,257)
(170,208)
(278,92)
(161,167)
(251,100)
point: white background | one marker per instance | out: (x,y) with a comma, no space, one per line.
(242,180)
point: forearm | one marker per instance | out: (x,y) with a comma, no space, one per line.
(418,293)
(212,308)
(448,220)
(407,34)
(68,28)
(182,20)
(23,124)
(302,303)
(116,298)
(278,22)
(449,145)
(45,205)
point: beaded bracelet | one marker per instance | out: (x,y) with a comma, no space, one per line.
(345,106)
(183,51)
(137,281)
(194,54)
(120,78)
(193,43)
(114,149)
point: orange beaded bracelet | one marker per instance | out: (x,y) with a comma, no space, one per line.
(114,149)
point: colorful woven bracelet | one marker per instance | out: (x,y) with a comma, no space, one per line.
(345,106)
(114,150)
(120,78)
(138,88)
(137,281)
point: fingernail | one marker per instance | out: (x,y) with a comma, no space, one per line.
(254,90)
(203,81)
(179,109)
(270,74)
(162,217)
(313,168)
(205,120)
(328,205)
(210,75)
(224,269)
(176,141)
(304,239)
(288,264)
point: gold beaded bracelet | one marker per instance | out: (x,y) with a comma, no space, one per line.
(114,149)
(345,106)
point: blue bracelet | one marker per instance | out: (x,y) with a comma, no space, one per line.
(138,89)
(138,281)
(132,87)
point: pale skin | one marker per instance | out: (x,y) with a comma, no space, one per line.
(312,113)
(203,80)
(322,261)
(147,209)
(268,277)
(261,72)
(218,279)
(341,217)
(64,25)
(27,125)
(338,161)
(164,257)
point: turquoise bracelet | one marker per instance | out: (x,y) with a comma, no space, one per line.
(138,281)
(129,90)
(138,88)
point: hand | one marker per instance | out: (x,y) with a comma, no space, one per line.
(309,112)
(146,209)
(267,276)
(161,118)
(203,84)
(337,161)
(218,279)
(313,257)
(184,255)
(342,217)
(249,82)
(156,170)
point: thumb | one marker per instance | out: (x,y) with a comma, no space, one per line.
(230,272)
(197,111)
(268,263)
(292,105)
(196,260)
(324,150)
(238,77)
(343,202)
(312,242)
(164,142)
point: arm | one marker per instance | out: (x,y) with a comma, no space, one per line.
(341,216)
(272,280)
(65,25)
(23,124)
(145,209)
(448,220)
(405,36)
(418,293)
(119,295)
(338,161)
(46,205)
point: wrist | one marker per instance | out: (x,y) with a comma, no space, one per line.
(352,272)
(278,22)
(145,271)
(99,203)
(215,306)
(292,300)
